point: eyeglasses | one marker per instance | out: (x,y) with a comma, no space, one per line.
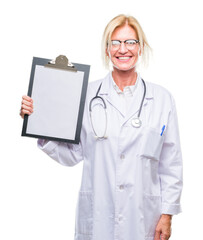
(130,44)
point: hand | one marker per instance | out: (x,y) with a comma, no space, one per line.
(163,228)
(26,106)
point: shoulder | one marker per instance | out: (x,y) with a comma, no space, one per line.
(94,85)
(158,90)
(92,88)
(160,94)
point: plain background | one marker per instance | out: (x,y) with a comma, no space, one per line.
(37,195)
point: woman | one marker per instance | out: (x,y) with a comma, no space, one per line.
(132,175)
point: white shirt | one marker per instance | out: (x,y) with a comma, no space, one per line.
(127,93)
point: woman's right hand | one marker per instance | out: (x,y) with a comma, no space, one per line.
(26,106)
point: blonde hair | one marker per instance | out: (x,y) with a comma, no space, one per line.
(120,21)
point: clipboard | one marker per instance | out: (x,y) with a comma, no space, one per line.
(58,89)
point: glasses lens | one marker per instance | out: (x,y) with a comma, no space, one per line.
(130,44)
(115,44)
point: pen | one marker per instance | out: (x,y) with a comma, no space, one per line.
(162,130)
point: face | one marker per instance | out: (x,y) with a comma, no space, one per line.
(123,58)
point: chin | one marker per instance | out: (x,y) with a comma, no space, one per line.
(124,69)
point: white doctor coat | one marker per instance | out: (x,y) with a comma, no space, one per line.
(133,176)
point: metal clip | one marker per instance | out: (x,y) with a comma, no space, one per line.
(62,62)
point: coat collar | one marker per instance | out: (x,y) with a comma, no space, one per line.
(107,87)
(108,92)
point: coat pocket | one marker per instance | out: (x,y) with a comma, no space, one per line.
(151,144)
(150,151)
(152,213)
(84,215)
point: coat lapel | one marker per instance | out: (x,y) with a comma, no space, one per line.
(108,92)
(137,99)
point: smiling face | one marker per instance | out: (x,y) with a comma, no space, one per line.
(123,58)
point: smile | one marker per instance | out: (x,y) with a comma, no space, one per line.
(123,58)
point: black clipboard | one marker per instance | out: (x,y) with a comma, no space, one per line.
(58,89)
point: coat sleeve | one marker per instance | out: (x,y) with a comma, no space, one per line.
(170,167)
(64,153)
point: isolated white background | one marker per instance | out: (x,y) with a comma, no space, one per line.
(37,195)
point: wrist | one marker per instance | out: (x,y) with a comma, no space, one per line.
(167,216)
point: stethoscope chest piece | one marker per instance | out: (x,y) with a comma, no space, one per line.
(136,122)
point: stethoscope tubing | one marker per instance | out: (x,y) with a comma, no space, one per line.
(105,109)
(144,94)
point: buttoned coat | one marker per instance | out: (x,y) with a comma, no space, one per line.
(131,177)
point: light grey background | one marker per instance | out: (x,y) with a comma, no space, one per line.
(38,196)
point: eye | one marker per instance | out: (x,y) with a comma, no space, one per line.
(130,42)
(115,42)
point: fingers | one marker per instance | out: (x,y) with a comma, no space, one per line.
(157,235)
(25,97)
(161,236)
(165,236)
(26,106)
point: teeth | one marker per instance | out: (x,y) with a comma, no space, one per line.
(124,58)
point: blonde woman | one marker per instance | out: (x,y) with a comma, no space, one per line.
(129,145)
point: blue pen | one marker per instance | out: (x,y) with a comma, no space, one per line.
(162,130)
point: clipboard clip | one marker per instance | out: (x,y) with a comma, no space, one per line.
(61,62)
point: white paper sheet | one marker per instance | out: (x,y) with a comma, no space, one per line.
(56,98)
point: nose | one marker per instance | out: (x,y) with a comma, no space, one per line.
(123,48)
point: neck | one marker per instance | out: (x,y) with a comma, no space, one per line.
(124,78)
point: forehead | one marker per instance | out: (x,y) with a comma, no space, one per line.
(123,33)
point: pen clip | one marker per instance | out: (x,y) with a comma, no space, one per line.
(162,130)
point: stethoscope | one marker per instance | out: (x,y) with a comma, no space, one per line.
(136,122)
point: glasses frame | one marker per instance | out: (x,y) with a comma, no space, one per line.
(119,42)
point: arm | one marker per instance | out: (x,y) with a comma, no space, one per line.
(170,171)
(170,167)
(62,152)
